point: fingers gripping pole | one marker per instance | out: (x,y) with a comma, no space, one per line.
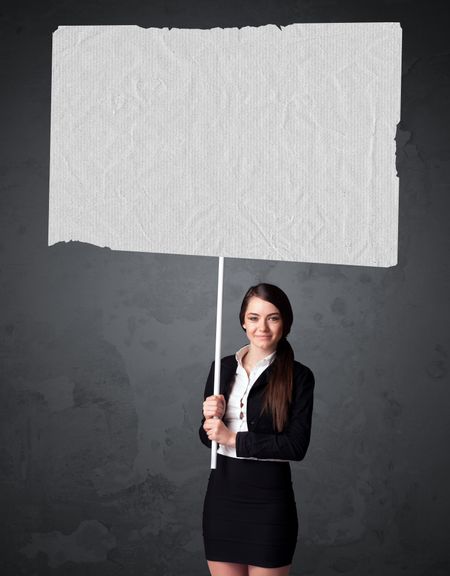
(218,347)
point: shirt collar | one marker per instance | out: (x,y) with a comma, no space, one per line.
(264,362)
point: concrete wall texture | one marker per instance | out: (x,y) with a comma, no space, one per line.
(104,355)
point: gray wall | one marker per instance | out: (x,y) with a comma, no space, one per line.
(104,354)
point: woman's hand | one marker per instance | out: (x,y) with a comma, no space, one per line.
(214,406)
(216,430)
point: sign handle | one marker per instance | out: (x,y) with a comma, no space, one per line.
(218,349)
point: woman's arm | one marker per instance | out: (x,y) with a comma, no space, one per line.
(293,442)
(209,389)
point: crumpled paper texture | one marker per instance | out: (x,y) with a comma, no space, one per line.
(261,143)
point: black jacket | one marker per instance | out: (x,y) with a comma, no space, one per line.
(262,440)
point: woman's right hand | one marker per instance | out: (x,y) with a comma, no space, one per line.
(214,406)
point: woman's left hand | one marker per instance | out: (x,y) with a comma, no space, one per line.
(216,430)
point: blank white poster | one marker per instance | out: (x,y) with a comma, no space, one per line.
(260,143)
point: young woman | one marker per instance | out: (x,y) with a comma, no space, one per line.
(261,420)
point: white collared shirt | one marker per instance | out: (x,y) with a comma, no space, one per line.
(240,389)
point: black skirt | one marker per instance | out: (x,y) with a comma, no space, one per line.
(249,513)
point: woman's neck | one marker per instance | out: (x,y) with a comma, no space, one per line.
(253,356)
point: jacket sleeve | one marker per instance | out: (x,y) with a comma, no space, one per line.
(209,389)
(293,442)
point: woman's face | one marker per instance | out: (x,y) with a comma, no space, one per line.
(263,325)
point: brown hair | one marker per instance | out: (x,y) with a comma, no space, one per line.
(278,393)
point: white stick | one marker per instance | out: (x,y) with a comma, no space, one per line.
(218,347)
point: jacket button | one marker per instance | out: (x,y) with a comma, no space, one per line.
(252,422)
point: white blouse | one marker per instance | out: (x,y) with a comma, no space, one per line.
(240,390)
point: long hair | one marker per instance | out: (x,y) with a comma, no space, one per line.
(278,394)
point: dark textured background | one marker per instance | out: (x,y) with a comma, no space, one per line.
(104,354)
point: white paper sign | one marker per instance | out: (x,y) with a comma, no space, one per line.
(260,143)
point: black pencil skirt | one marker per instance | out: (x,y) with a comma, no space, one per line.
(249,513)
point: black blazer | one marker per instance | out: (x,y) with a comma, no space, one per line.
(262,440)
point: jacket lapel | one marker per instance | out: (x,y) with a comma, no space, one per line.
(261,381)
(227,373)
